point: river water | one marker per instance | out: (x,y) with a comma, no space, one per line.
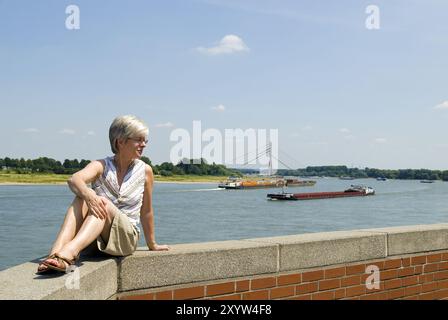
(31,215)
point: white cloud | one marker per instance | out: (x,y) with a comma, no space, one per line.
(229,44)
(164,125)
(67,131)
(349,137)
(442,106)
(219,108)
(344,130)
(31,130)
(91,133)
(380,140)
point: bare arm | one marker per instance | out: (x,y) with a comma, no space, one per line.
(147,213)
(78,184)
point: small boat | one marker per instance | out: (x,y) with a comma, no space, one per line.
(426,181)
(353,191)
(381,179)
(346,178)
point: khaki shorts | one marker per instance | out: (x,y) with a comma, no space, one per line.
(123,237)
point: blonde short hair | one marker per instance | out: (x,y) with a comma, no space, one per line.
(125,127)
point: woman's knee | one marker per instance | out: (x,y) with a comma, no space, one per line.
(110,209)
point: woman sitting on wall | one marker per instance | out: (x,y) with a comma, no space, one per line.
(110,211)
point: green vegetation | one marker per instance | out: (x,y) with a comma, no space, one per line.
(47,170)
(189,178)
(343,171)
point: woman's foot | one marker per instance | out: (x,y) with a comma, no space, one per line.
(61,261)
(43,268)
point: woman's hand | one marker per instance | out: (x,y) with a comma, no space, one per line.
(156,247)
(97,206)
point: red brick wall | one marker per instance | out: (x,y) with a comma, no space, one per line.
(416,277)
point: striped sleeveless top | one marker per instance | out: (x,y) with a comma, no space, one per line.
(129,197)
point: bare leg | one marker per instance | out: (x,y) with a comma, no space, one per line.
(73,221)
(89,231)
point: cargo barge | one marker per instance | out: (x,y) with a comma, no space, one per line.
(353,191)
(267,182)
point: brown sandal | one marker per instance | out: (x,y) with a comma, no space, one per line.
(60,260)
(47,270)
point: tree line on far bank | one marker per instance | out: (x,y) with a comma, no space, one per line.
(188,167)
(344,171)
(48,165)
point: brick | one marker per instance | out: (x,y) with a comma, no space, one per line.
(374,287)
(339,293)
(395,294)
(306,288)
(442,284)
(355,291)
(406,262)
(418,270)
(379,264)
(375,296)
(282,292)
(328,295)
(256,295)
(430,267)
(410,281)
(443,266)
(303,297)
(441,294)
(418,260)
(408,271)
(329,284)
(189,293)
(392,264)
(410,291)
(441,275)
(334,273)
(434,258)
(445,256)
(350,281)
(361,268)
(228,297)
(426,278)
(242,285)
(389,274)
(410,298)
(312,275)
(147,296)
(263,283)
(427,296)
(392,284)
(289,279)
(220,288)
(164,295)
(432,286)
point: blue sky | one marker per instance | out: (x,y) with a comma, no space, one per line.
(337,92)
